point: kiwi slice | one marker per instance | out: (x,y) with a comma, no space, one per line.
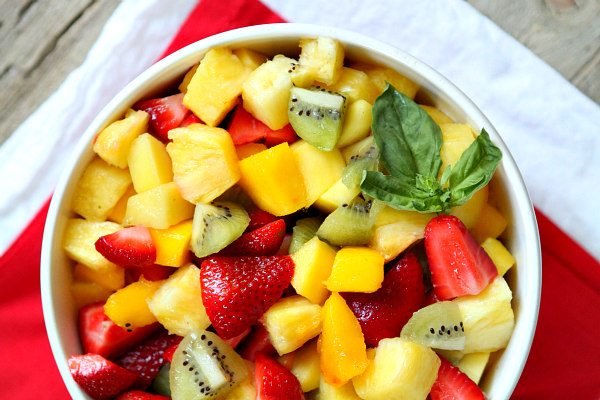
(205,367)
(367,160)
(304,230)
(350,224)
(160,384)
(317,116)
(438,325)
(216,225)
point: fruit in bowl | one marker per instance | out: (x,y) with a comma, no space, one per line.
(275,227)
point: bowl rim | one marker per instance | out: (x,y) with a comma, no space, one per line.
(529,307)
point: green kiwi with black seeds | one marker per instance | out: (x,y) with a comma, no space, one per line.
(350,224)
(217,225)
(439,326)
(304,230)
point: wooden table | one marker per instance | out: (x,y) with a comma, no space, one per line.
(41,41)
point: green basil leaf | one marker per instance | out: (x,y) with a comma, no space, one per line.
(409,140)
(474,169)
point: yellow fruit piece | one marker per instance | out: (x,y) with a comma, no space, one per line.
(319,169)
(291,322)
(456,138)
(216,85)
(381,75)
(117,214)
(266,92)
(112,277)
(356,269)
(273,180)
(79,241)
(85,293)
(245,390)
(357,123)
(249,149)
(204,161)
(473,365)
(173,244)
(330,392)
(187,78)
(99,189)
(158,208)
(302,76)
(469,212)
(499,254)
(354,85)
(491,224)
(251,59)
(149,163)
(335,196)
(113,142)
(177,304)
(306,366)
(342,349)
(438,116)
(128,307)
(399,370)
(313,263)
(323,57)
(357,148)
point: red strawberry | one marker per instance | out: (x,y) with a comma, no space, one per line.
(146,358)
(244,128)
(458,264)
(285,134)
(452,384)
(236,340)
(129,247)
(190,119)
(257,342)
(139,395)
(98,377)
(264,241)
(170,351)
(150,273)
(99,335)
(382,314)
(274,381)
(259,218)
(236,291)
(166,113)
(430,298)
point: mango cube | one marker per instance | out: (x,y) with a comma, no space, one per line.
(437,115)
(173,244)
(149,163)
(306,366)
(499,254)
(356,269)
(249,149)
(335,196)
(313,263)
(112,277)
(473,365)
(113,142)
(128,307)
(380,76)
(117,214)
(85,293)
(323,57)
(491,224)
(79,241)
(357,123)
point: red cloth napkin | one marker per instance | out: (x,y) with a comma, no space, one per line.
(564,361)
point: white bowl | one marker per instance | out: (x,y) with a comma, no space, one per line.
(521,237)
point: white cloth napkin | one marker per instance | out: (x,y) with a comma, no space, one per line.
(551,128)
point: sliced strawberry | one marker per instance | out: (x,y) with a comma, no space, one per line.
(99,335)
(190,119)
(129,247)
(98,377)
(146,358)
(259,218)
(382,314)
(170,351)
(452,384)
(236,340)
(139,395)
(236,291)
(430,298)
(458,264)
(244,128)
(166,113)
(285,134)
(150,273)
(257,342)
(274,381)
(264,241)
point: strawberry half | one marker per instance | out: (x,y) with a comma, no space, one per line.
(244,128)
(257,342)
(99,335)
(285,134)
(453,384)
(274,381)
(166,113)
(150,273)
(98,377)
(190,119)
(129,247)
(458,264)
(139,395)
(236,291)
(259,218)
(264,241)
(382,314)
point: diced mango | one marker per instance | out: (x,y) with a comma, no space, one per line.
(215,86)
(335,196)
(273,180)
(251,59)
(158,208)
(306,366)
(249,149)
(323,57)
(499,254)
(112,277)
(357,123)
(313,262)
(79,241)
(113,142)
(456,138)
(173,244)
(149,163)
(491,224)
(473,365)
(438,116)
(128,307)
(382,75)
(356,269)
(85,293)
(99,189)
(117,214)
(330,392)
(469,212)
(354,85)
(187,78)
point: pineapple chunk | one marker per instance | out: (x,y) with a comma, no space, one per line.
(187,78)
(356,269)
(491,224)
(266,92)
(173,244)
(216,85)
(438,116)
(354,85)
(313,262)
(158,208)
(455,140)
(99,190)
(249,149)
(399,370)
(344,392)
(79,241)
(177,305)
(319,169)
(205,164)
(85,293)
(357,123)
(149,163)
(128,307)
(291,322)
(117,214)
(323,58)
(473,365)
(469,212)
(251,59)
(342,345)
(273,180)
(380,76)
(245,390)
(335,196)
(306,366)
(113,142)
(488,318)
(499,255)
(112,277)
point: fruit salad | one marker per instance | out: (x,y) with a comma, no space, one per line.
(282,229)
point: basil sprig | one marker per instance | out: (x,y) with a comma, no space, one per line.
(409,142)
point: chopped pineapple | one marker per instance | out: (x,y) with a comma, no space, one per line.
(79,241)
(382,75)
(117,214)
(438,116)
(173,244)
(149,163)
(251,59)
(356,269)
(313,262)
(112,277)
(491,224)
(187,78)
(354,85)
(128,307)
(473,365)
(469,212)
(113,142)
(357,123)
(85,293)
(456,138)
(335,196)
(330,392)
(323,58)
(499,254)
(249,149)
(306,366)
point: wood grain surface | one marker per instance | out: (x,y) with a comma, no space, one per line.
(41,41)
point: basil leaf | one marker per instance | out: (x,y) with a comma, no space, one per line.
(474,169)
(409,140)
